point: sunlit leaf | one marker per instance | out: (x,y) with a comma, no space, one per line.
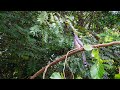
(88,47)
(78,77)
(97,71)
(117,76)
(42,17)
(95,54)
(56,75)
(108,39)
(52,17)
(94,72)
(71,18)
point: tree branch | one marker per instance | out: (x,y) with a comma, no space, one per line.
(71,53)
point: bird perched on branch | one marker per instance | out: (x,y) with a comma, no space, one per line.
(77,42)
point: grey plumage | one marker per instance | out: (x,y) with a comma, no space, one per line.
(79,44)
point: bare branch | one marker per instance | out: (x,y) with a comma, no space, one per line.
(72,53)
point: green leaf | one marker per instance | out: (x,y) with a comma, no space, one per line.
(71,18)
(108,66)
(88,47)
(52,17)
(95,54)
(101,70)
(42,17)
(56,75)
(108,39)
(94,72)
(34,30)
(97,71)
(78,77)
(25,57)
(117,76)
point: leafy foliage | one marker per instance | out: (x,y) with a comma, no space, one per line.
(97,70)
(31,39)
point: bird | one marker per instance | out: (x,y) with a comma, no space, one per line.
(78,44)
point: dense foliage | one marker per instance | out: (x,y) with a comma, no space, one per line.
(29,40)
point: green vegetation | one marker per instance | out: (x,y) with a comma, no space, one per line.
(29,40)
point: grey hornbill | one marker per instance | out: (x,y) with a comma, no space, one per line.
(78,43)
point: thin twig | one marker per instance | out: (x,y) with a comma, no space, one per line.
(66,62)
(45,71)
(64,66)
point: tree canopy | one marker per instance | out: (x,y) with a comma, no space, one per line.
(30,40)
